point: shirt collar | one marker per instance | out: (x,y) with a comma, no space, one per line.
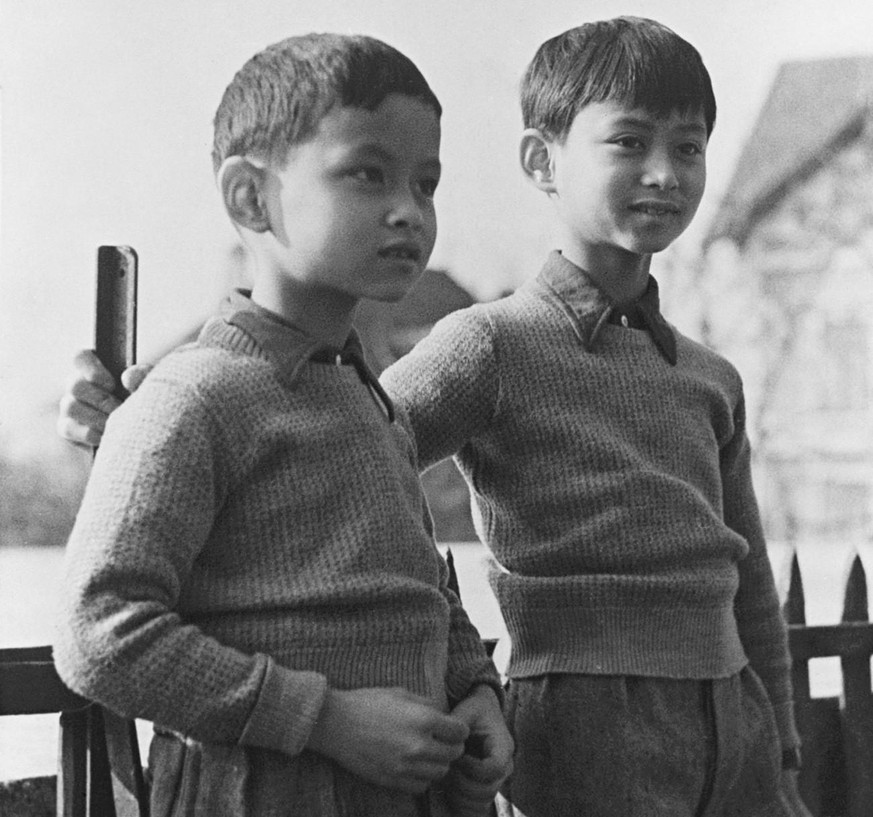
(589,308)
(286,346)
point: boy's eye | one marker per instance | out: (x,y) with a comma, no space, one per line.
(629,142)
(373,175)
(691,149)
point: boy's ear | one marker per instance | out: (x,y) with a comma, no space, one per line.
(241,183)
(536,159)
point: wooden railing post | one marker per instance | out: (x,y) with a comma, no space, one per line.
(837,733)
(794,612)
(99,770)
(129,788)
(72,785)
(857,711)
(822,778)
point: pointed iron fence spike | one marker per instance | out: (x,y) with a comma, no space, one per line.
(794,608)
(855,601)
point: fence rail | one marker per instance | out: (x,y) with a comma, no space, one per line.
(100,773)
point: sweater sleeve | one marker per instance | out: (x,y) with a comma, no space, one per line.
(449,384)
(759,618)
(157,482)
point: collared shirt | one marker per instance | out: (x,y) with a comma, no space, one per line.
(591,308)
(288,347)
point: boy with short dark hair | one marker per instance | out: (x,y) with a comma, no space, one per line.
(609,466)
(252,567)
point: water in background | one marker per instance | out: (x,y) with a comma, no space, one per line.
(29,578)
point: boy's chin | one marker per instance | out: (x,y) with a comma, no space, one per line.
(650,245)
(392,295)
(651,241)
(390,292)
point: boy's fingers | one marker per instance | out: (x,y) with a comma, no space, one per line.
(450,730)
(80,423)
(79,434)
(84,394)
(426,773)
(487,772)
(132,377)
(443,754)
(89,367)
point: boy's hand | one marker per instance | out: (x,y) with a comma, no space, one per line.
(389,737)
(89,400)
(474,779)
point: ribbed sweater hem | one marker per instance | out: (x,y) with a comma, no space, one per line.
(418,661)
(679,642)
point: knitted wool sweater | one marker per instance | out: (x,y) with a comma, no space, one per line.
(612,488)
(254,531)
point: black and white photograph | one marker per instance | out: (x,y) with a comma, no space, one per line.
(456,409)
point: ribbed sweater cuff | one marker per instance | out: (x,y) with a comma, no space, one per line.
(460,685)
(286,710)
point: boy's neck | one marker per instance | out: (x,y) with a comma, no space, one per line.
(321,315)
(621,276)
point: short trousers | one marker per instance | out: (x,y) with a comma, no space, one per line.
(192,779)
(627,746)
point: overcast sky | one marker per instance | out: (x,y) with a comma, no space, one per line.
(106,111)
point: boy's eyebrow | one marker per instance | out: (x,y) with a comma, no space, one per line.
(647,123)
(693,128)
(379,151)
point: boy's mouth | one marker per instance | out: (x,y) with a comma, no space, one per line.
(401,252)
(656,208)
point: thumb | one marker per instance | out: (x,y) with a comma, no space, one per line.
(132,377)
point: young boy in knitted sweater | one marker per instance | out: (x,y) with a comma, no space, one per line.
(252,567)
(609,465)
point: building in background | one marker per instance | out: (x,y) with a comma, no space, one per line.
(787,288)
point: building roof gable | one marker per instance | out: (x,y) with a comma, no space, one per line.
(812,106)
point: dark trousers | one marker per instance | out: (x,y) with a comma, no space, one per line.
(613,746)
(192,779)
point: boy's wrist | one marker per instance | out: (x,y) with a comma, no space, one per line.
(485,678)
(485,690)
(323,732)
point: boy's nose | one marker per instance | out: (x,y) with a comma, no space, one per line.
(406,211)
(660,172)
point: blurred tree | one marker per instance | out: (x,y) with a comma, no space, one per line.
(41,485)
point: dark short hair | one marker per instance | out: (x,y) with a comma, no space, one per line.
(630,60)
(279,97)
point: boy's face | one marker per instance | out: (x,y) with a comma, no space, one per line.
(352,210)
(627,180)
